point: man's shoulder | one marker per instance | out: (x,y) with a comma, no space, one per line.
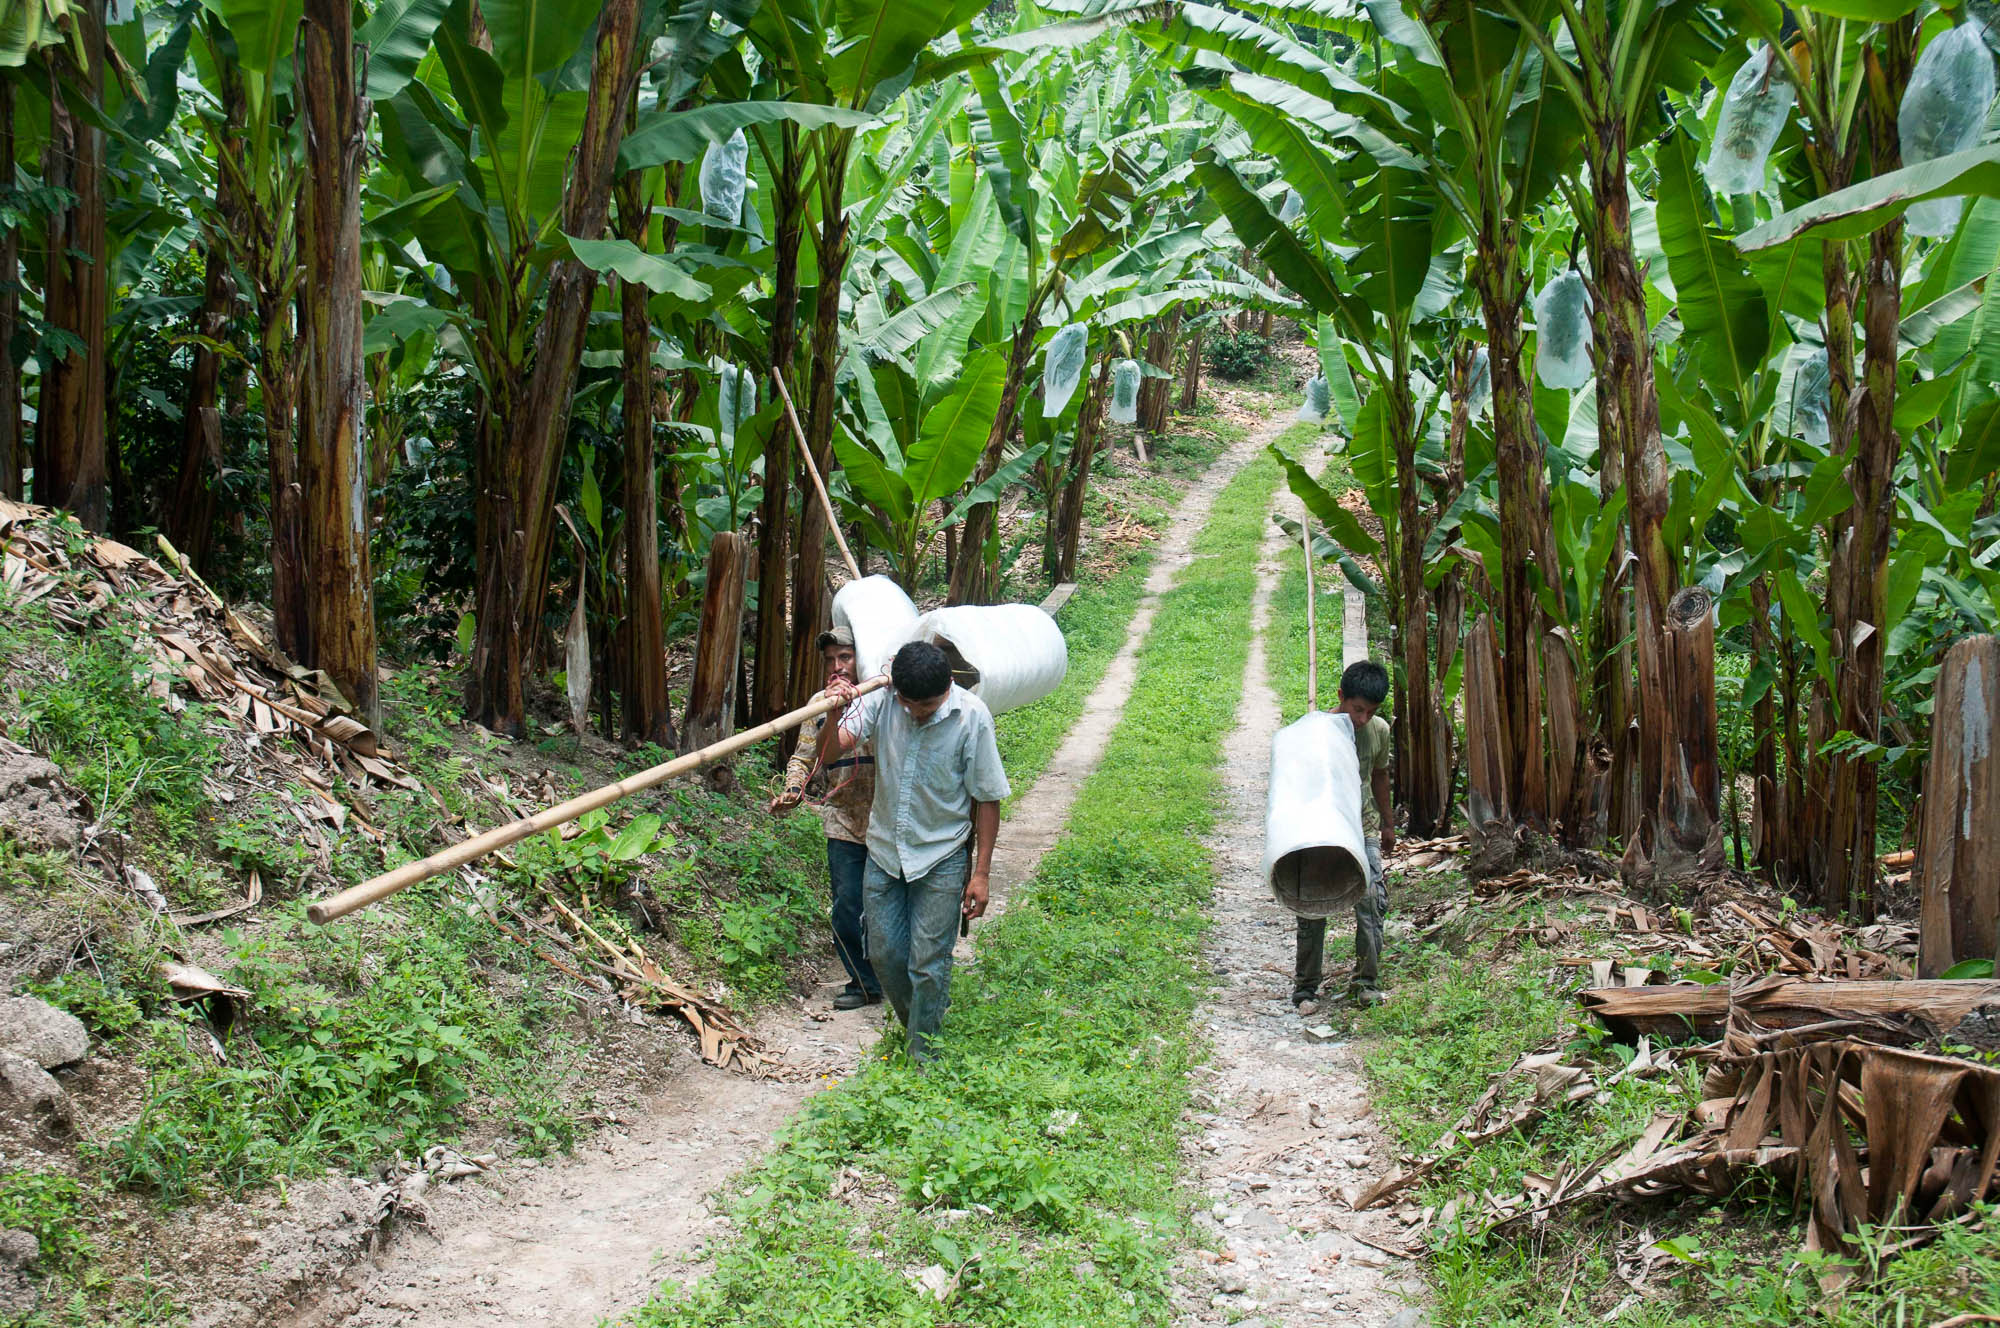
(976,711)
(1378,728)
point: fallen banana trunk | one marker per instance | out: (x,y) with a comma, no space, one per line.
(1906,1012)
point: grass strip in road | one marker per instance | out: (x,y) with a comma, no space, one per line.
(1033,1176)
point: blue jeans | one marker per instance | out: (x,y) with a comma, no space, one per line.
(912,926)
(844,864)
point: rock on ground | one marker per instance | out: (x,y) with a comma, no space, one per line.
(45,1035)
(36,807)
(19,1296)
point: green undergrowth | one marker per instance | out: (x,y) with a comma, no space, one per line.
(1035,1167)
(1095,620)
(1468,1004)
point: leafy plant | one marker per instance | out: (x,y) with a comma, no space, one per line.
(1239,355)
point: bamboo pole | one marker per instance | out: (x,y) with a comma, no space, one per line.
(389,883)
(1312,627)
(812,469)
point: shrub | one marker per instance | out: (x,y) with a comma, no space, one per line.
(1238,355)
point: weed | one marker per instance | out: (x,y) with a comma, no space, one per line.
(1237,355)
(82,705)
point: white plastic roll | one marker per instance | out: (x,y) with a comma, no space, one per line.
(1314,856)
(1008,655)
(882,619)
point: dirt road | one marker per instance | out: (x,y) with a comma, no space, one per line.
(590,1235)
(1287,1125)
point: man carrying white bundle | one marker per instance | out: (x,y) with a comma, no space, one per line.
(1363,688)
(938,787)
(844,811)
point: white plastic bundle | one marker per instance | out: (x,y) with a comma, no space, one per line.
(1315,858)
(1562,332)
(1062,368)
(725,176)
(882,619)
(1125,392)
(1319,398)
(1753,114)
(1008,655)
(1944,111)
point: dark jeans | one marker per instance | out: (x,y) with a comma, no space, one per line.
(1368,911)
(912,926)
(844,864)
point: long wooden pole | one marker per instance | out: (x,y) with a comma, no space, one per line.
(389,883)
(1312,627)
(812,469)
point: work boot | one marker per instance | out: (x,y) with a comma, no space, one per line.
(1306,1003)
(853,998)
(1365,994)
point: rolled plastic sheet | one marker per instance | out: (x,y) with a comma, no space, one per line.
(1315,858)
(1008,655)
(1944,111)
(1753,114)
(882,619)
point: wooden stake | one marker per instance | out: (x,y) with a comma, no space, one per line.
(812,469)
(1312,627)
(1957,866)
(389,883)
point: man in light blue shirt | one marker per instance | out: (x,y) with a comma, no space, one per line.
(938,787)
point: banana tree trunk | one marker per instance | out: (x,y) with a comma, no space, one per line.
(72,469)
(1858,587)
(1525,536)
(1630,455)
(1424,799)
(1770,819)
(974,578)
(11,435)
(770,685)
(810,602)
(1191,372)
(1083,453)
(340,600)
(520,531)
(647,715)
(1155,394)
(191,523)
(1833,169)
(1447,606)
(278,383)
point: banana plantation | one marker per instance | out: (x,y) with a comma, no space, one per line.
(1645,354)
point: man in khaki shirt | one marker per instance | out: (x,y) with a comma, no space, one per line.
(847,788)
(1363,688)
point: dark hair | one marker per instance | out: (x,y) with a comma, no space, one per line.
(1365,680)
(920,672)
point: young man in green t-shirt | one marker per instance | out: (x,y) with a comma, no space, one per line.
(1363,688)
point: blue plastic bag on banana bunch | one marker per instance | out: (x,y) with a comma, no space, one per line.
(1562,332)
(1289,210)
(1319,399)
(1805,393)
(882,619)
(1985,15)
(1125,392)
(1315,859)
(725,176)
(1479,387)
(1062,368)
(1944,111)
(1753,114)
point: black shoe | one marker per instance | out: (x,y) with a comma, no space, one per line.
(854,1000)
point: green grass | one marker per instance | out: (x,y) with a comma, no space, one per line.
(1037,1161)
